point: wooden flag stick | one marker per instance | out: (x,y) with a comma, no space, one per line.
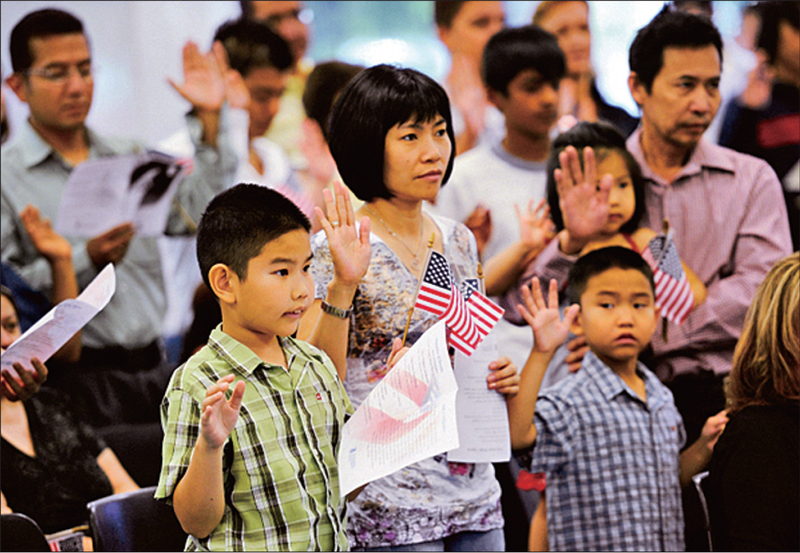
(481,282)
(665,229)
(424,270)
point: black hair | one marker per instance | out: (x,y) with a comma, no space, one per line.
(323,86)
(515,49)
(772,15)
(669,29)
(372,103)
(5,291)
(237,224)
(601,260)
(41,23)
(252,44)
(445,12)
(601,137)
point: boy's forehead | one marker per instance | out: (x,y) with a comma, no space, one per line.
(619,281)
(295,244)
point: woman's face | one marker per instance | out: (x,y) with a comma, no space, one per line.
(416,158)
(622,199)
(9,324)
(569,22)
(472,27)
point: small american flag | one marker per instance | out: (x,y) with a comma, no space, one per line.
(673,293)
(439,295)
(485,312)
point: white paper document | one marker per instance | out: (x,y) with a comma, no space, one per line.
(409,416)
(482,416)
(103,193)
(55,329)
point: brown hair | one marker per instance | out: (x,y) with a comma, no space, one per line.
(766,362)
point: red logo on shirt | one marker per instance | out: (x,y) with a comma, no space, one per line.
(319,396)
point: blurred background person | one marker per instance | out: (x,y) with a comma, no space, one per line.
(579,99)
(465,28)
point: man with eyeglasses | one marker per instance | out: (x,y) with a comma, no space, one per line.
(122,372)
(292,21)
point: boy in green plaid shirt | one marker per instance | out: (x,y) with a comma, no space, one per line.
(253,421)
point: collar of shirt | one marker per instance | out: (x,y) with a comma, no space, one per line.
(35,150)
(705,156)
(611,385)
(240,356)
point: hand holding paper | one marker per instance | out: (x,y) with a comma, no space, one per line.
(65,319)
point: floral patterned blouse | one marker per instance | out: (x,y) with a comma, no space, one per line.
(431,499)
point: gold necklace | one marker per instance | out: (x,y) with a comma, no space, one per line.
(415,262)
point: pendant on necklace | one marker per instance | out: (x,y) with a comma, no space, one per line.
(415,263)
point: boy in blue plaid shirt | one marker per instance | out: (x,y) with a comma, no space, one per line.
(253,421)
(608,437)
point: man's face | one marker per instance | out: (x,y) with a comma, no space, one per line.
(266,86)
(284,19)
(63,103)
(530,106)
(684,97)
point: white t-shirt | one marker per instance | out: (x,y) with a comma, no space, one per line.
(488,175)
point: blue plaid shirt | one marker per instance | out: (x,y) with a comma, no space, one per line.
(611,462)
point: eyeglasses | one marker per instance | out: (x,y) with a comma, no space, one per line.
(61,73)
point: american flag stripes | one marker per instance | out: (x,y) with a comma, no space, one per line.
(468,321)
(673,293)
(485,312)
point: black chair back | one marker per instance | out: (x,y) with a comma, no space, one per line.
(135,521)
(19,532)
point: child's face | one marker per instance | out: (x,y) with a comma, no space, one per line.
(622,199)
(277,291)
(530,106)
(618,315)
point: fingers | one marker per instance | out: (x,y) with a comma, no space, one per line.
(570,313)
(589,165)
(398,351)
(504,377)
(6,390)
(238,395)
(552,299)
(13,385)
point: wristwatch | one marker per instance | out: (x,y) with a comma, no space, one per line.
(337,312)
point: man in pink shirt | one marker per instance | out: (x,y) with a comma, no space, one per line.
(726,209)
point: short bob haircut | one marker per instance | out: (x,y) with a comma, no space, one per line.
(513,50)
(669,29)
(237,224)
(603,138)
(38,24)
(375,101)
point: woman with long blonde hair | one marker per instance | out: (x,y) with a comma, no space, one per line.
(753,486)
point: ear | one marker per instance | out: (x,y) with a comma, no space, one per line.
(496,98)
(16,82)
(224,283)
(637,89)
(577,324)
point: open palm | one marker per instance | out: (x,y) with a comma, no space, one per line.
(549,330)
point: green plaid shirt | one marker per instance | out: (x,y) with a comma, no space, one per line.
(280,473)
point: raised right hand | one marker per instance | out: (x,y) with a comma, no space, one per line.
(111,246)
(582,198)
(549,331)
(47,241)
(219,416)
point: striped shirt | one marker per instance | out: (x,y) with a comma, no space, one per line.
(280,473)
(730,226)
(611,462)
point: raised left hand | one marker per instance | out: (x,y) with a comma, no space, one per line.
(349,246)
